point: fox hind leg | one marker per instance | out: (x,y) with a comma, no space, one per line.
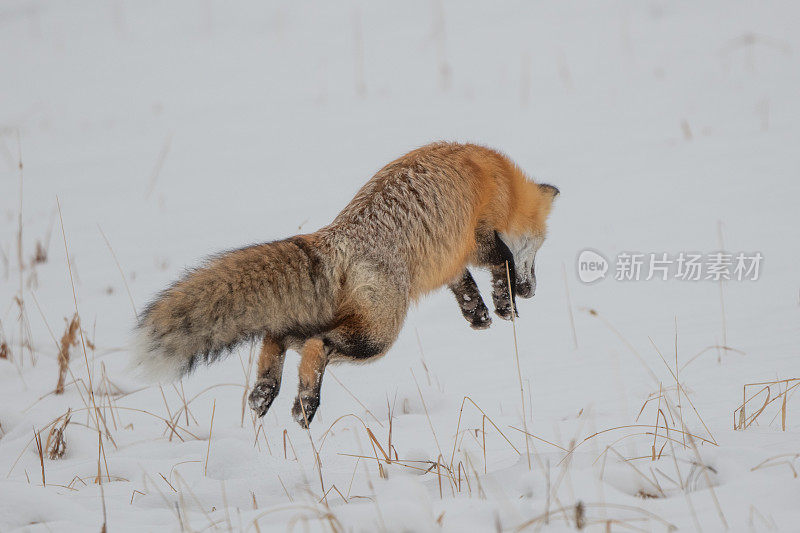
(470,301)
(364,329)
(314,358)
(270,370)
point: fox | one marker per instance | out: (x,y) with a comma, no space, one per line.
(342,292)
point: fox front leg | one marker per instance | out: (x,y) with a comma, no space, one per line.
(470,301)
(493,253)
(502,293)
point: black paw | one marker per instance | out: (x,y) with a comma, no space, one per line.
(480,318)
(304,409)
(504,311)
(264,392)
(475,311)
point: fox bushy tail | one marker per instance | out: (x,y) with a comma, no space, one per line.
(237,296)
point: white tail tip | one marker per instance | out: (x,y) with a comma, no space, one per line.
(153,365)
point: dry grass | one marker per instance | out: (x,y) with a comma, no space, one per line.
(56,444)
(68,340)
(767,393)
(119,268)
(569,307)
(458,477)
(519,369)
(788,459)
(210,430)
(37,437)
(667,432)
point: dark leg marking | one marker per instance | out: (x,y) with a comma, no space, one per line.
(268,384)
(501,296)
(314,359)
(495,254)
(470,301)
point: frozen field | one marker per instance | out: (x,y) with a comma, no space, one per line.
(172,130)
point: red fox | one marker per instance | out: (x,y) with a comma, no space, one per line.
(342,292)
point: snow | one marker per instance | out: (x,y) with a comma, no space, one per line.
(176,130)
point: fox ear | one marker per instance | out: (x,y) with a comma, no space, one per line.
(550,190)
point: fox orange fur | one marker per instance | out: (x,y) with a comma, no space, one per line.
(342,292)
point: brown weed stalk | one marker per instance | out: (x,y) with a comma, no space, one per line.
(780,394)
(56,445)
(68,340)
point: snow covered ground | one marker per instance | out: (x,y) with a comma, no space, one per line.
(171,130)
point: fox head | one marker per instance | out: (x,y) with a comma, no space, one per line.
(526,233)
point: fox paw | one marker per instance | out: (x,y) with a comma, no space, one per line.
(304,409)
(504,312)
(264,392)
(476,313)
(480,319)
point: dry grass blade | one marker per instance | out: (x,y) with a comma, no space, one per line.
(458,427)
(37,437)
(428,466)
(319,514)
(787,458)
(104,527)
(531,435)
(685,393)
(519,368)
(378,444)
(718,347)
(569,307)
(288,439)
(68,340)
(370,413)
(317,459)
(167,482)
(56,444)
(631,426)
(210,429)
(90,388)
(651,482)
(427,415)
(121,273)
(782,394)
(709,484)
(185,405)
(570,511)
(686,495)
(255,508)
(327,431)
